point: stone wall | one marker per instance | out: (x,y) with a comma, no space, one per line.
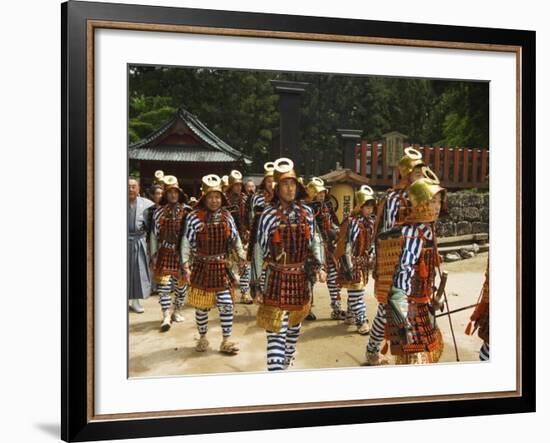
(468,213)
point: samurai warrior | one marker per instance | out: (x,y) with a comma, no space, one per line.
(290,249)
(210,237)
(411,330)
(165,241)
(237,199)
(256,204)
(392,210)
(355,246)
(480,318)
(328,226)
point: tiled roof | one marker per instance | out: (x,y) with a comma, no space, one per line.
(213,150)
(180,154)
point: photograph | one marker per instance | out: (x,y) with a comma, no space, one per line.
(287,221)
(281,221)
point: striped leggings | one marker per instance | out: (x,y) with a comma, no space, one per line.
(356,304)
(245,280)
(333,288)
(484,352)
(166,286)
(377,330)
(281,345)
(224,303)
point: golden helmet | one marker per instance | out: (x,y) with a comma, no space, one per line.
(224,182)
(421,193)
(315,186)
(159,177)
(170,182)
(269,168)
(409,161)
(211,183)
(234,177)
(284,168)
(364,195)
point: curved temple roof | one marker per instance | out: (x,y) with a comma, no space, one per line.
(208,147)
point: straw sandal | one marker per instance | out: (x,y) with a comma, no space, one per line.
(202,344)
(229,347)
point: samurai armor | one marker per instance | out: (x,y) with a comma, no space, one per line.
(420,335)
(170,222)
(258,209)
(286,280)
(203,299)
(359,259)
(237,208)
(210,271)
(165,280)
(271,318)
(286,287)
(325,218)
(480,317)
(388,255)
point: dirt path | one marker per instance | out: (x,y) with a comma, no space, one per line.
(323,343)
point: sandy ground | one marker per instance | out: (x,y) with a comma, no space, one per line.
(323,343)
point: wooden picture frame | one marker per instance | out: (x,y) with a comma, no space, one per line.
(79,22)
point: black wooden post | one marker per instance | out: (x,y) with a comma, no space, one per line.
(348,140)
(290,96)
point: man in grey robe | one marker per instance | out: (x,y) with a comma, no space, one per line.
(139,279)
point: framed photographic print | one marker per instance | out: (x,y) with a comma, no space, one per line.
(279,221)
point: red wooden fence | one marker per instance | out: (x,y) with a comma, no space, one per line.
(456,167)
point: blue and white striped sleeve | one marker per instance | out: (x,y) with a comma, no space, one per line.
(235,238)
(390,211)
(310,221)
(189,239)
(409,257)
(260,251)
(266,225)
(353,231)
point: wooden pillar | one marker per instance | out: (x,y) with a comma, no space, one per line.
(374,161)
(437,161)
(456,164)
(363,161)
(465,165)
(290,97)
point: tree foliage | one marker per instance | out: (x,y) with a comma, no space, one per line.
(242,108)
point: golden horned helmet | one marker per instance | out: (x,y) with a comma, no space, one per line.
(210,183)
(364,195)
(409,161)
(421,193)
(269,168)
(234,177)
(283,169)
(224,182)
(159,177)
(315,186)
(170,182)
